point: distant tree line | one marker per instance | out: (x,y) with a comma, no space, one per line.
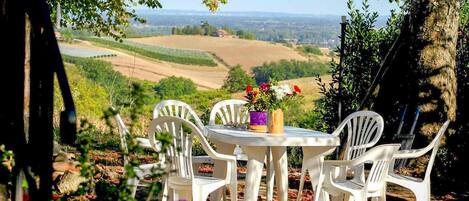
(238,79)
(206,29)
(285,70)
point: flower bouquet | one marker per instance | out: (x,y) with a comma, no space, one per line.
(280,97)
(267,103)
(258,107)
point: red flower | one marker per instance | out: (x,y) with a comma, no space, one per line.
(297,89)
(265,87)
(249,88)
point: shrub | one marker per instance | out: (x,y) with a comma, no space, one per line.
(285,70)
(237,80)
(364,46)
(102,73)
(90,97)
(175,87)
(310,49)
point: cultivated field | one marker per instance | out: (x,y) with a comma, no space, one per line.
(136,66)
(248,53)
(233,51)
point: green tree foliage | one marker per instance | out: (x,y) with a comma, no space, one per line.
(365,46)
(175,87)
(245,35)
(204,29)
(100,17)
(208,29)
(285,70)
(237,80)
(107,17)
(188,30)
(310,49)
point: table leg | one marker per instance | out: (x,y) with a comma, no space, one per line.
(219,167)
(312,162)
(256,157)
(280,160)
(269,175)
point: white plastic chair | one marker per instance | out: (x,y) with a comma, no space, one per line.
(363,130)
(420,187)
(381,159)
(180,109)
(230,111)
(182,181)
(143,170)
(177,108)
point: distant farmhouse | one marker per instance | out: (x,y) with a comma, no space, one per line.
(221,33)
(292,41)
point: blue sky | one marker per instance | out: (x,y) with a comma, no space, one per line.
(314,7)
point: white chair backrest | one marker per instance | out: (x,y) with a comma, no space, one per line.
(180,151)
(123,132)
(229,111)
(381,158)
(364,128)
(435,144)
(177,108)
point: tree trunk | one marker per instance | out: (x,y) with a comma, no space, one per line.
(434,33)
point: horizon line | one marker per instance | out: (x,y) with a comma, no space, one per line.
(207,12)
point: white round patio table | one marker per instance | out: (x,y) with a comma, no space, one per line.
(256,145)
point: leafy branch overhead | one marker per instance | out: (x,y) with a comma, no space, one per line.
(107,17)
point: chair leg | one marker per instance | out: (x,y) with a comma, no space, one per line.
(201,195)
(133,183)
(224,193)
(302,182)
(383,194)
(347,197)
(319,193)
(234,183)
(357,197)
(422,195)
(165,193)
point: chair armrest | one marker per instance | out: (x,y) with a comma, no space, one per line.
(339,163)
(145,143)
(346,163)
(413,153)
(223,157)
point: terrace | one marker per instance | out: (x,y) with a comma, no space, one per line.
(193,116)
